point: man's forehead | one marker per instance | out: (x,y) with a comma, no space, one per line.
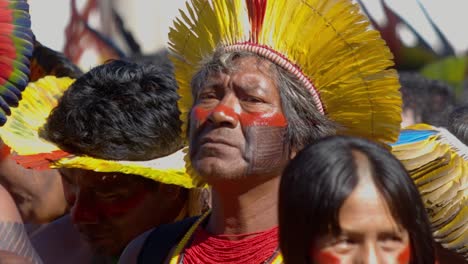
(242,64)
(102,178)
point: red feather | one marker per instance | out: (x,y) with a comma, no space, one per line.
(40,161)
(256,10)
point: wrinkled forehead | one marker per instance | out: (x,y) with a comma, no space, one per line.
(231,62)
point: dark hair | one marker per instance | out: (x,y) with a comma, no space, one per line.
(305,123)
(432,100)
(119,111)
(318,180)
(458,123)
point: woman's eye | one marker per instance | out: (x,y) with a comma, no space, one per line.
(390,242)
(344,244)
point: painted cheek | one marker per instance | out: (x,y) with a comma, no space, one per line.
(121,207)
(263,119)
(200,114)
(405,255)
(325,258)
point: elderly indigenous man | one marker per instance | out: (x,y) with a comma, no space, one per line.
(114,124)
(267,86)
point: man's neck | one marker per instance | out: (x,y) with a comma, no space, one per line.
(253,210)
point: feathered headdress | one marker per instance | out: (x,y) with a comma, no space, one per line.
(16,48)
(438,163)
(326,44)
(21,133)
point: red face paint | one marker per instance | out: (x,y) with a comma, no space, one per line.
(263,119)
(405,256)
(321,257)
(246,119)
(122,206)
(96,208)
(200,114)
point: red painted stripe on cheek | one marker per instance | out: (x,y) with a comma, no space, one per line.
(263,119)
(200,114)
(325,258)
(121,207)
(405,255)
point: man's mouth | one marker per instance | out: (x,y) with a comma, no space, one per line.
(215,140)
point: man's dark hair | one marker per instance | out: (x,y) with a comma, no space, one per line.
(317,182)
(458,123)
(431,100)
(305,122)
(119,111)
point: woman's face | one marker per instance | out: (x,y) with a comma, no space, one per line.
(369,233)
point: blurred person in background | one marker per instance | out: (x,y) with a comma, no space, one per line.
(424,100)
(458,123)
(115,141)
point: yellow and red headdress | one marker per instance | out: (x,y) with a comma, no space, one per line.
(21,133)
(326,44)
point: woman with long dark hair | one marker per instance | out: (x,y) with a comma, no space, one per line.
(347,200)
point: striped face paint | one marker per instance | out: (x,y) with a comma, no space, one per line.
(265,135)
(237,125)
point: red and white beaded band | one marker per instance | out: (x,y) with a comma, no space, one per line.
(282,61)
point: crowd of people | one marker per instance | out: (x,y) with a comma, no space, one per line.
(256,139)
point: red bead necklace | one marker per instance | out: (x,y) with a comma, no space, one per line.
(259,247)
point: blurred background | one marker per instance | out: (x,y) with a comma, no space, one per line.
(426,36)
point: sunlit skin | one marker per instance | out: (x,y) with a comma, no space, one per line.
(237,124)
(110,209)
(369,233)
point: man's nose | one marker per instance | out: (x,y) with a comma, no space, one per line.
(84,211)
(224,114)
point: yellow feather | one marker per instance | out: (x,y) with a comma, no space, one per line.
(329,40)
(439,167)
(39,98)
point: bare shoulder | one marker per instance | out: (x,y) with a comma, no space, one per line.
(133,249)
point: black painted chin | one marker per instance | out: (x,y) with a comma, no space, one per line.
(268,150)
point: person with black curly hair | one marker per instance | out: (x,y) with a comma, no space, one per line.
(122,113)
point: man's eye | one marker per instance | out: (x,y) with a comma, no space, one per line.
(209,95)
(251,99)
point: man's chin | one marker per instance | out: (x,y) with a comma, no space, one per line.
(105,246)
(213,172)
